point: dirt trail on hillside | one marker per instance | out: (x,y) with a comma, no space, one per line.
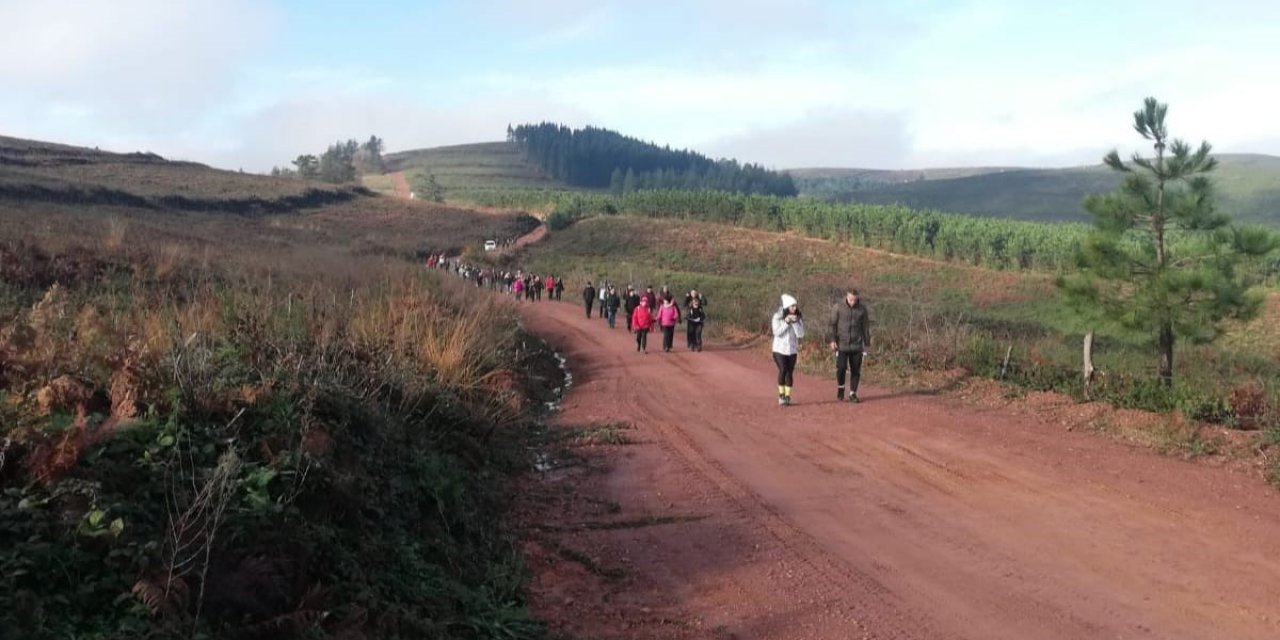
(401,185)
(907,516)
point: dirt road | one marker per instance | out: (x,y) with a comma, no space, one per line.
(401,185)
(903,517)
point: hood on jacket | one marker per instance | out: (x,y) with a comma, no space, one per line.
(788,300)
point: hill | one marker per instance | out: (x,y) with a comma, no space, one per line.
(1249,187)
(210,380)
(468,169)
(598,158)
(80,192)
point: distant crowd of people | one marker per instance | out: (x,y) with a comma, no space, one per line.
(524,285)
(849,327)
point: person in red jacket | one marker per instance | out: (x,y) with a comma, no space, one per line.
(641,323)
(668,318)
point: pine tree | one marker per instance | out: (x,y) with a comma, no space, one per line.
(615,181)
(1130,275)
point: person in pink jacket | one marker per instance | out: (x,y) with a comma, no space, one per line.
(641,323)
(668,318)
(517,288)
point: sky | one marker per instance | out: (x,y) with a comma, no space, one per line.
(804,83)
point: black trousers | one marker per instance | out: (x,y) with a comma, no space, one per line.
(668,337)
(786,368)
(694,335)
(852,361)
(590,303)
(628,314)
(642,340)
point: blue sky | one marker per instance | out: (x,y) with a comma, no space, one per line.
(913,83)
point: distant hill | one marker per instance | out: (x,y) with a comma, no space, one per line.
(484,165)
(1248,186)
(80,191)
(34,173)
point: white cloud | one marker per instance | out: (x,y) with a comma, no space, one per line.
(825,138)
(276,134)
(149,63)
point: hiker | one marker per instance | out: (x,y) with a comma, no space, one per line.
(630,300)
(641,323)
(589,298)
(696,317)
(850,338)
(604,295)
(611,304)
(517,287)
(559,289)
(651,297)
(537,289)
(668,318)
(551,288)
(694,295)
(788,328)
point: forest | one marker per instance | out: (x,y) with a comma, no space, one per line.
(599,158)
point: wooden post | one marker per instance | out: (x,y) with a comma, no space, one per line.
(1088,364)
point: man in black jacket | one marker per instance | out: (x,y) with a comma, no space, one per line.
(630,300)
(589,298)
(850,338)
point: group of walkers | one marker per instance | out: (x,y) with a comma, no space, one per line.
(523,285)
(643,312)
(848,330)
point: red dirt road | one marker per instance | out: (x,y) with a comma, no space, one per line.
(401,185)
(904,517)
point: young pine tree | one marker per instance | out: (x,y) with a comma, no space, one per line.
(1162,261)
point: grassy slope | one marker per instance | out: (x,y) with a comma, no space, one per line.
(473,167)
(176,335)
(90,193)
(1249,187)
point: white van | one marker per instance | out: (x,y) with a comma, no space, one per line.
(490,245)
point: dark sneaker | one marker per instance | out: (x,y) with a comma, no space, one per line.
(853,398)
(839,395)
(786,400)
(782,400)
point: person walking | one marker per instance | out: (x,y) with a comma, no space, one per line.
(604,295)
(641,323)
(668,318)
(517,287)
(559,289)
(611,304)
(788,329)
(850,337)
(651,297)
(695,320)
(589,298)
(630,300)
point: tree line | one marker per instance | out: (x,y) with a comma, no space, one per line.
(342,162)
(598,158)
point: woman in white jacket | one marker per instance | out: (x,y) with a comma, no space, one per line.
(788,328)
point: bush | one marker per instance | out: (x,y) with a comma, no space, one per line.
(201,455)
